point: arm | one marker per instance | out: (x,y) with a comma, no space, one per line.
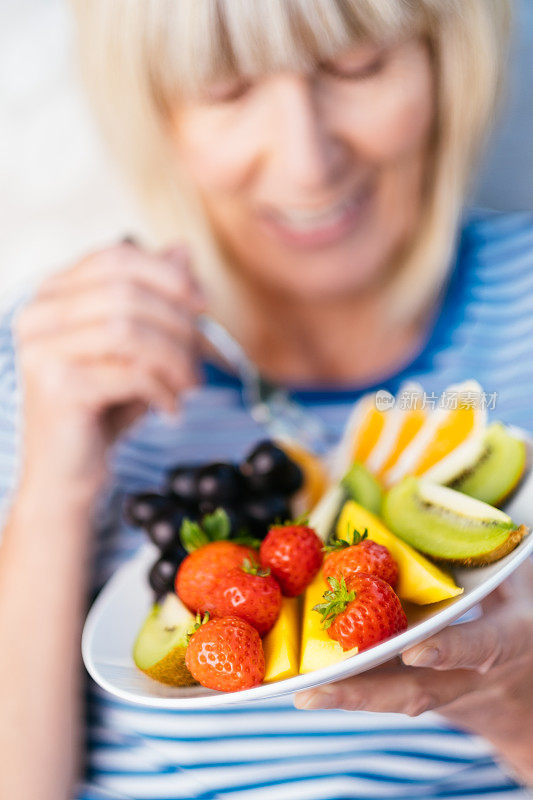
(98,345)
(478,675)
(42,596)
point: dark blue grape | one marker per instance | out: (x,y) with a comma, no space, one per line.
(165,533)
(182,483)
(262,512)
(162,575)
(219,483)
(142,509)
(269,470)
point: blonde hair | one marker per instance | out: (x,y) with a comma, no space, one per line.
(141,56)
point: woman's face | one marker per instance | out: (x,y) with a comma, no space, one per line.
(313,183)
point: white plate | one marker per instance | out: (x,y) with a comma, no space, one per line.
(118,612)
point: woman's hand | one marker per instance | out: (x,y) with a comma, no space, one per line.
(99,344)
(479,675)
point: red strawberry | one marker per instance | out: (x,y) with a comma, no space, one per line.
(226,654)
(249,593)
(200,571)
(362,612)
(358,554)
(294,554)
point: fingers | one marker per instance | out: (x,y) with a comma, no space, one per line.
(167,275)
(120,305)
(128,391)
(394,689)
(495,639)
(98,345)
(140,344)
(108,305)
(503,637)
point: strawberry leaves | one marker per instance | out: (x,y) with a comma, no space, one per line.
(335,602)
(213,528)
(253,568)
(247,541)
(197,624)
(192,536)
(301,521)
(352,539)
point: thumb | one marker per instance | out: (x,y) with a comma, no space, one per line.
(180,256)
(477,645)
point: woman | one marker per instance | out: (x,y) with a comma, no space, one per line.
(312,158)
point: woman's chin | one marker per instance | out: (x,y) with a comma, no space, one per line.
(325,284)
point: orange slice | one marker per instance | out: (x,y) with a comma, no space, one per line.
(411,424)
(449,438)
(454,429)
(316,479)
(361,432)
(402,423)
(367,433)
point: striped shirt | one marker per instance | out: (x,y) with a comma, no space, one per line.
(484,330)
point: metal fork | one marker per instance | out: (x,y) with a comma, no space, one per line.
(269,404)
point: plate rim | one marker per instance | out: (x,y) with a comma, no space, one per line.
(370,658)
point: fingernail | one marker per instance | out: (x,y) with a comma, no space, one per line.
(322,698)
(305,702)
(427,657)
(177,253)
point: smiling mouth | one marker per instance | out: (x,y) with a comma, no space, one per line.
(320,225)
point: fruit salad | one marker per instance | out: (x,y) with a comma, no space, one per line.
(244,593)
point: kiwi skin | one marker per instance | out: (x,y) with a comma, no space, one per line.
(165,634)
(171,669)
(483,560)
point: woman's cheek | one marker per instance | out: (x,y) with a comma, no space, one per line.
(395,120)
(218,149)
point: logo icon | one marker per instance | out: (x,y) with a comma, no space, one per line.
(384,400)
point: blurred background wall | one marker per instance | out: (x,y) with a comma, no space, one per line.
(59,193)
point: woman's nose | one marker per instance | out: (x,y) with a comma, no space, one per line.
(308,150)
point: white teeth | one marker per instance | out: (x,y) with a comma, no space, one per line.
(303,220)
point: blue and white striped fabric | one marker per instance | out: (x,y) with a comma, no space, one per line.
(485,331)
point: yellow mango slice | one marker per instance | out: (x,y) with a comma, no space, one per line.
(281,645)
(420,581)
(318,650)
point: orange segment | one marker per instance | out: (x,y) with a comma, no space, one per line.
(450,439)
(411,424)
(453,431)
(414,435)
(368,433)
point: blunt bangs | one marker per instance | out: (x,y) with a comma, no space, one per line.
(206,40)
